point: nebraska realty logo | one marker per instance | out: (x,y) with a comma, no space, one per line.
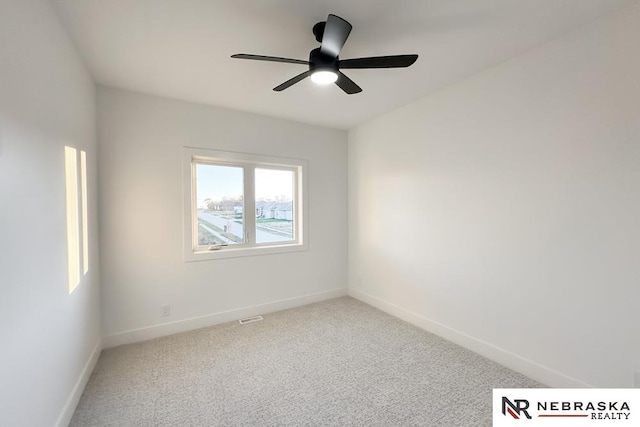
(566,407)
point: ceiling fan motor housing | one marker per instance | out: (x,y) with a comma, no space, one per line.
(318,30)
(319,61)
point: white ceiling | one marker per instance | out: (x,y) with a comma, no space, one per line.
(181,48)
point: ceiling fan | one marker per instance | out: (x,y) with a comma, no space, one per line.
(324,64)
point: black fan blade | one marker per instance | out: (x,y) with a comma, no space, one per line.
(347,85)
(335,35)
(292,81)
(395,61)
(269,58)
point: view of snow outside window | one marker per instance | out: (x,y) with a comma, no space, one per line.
(220,203)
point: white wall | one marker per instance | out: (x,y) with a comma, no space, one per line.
(141,139)
(49,339)
(503,212)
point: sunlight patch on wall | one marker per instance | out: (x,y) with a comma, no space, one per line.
(85,227)
(73,226)
(77,210)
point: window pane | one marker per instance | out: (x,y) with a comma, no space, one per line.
(274,205)
(220,204)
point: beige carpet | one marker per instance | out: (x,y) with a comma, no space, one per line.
(334,363)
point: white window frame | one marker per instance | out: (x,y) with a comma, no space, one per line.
(249,162)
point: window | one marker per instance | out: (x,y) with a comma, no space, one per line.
(242,204)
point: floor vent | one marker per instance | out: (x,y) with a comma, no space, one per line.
(250,320)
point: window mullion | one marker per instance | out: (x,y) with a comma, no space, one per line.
(249,208)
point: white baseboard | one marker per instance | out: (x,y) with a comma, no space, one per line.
(170,328)
(525,366)
(70,406)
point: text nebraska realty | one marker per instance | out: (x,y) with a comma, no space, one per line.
(599,410)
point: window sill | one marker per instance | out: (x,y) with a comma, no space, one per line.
(231,252)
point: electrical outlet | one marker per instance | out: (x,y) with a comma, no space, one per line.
(165,310)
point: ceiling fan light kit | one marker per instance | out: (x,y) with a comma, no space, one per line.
(323,67)
(324,77)
(324,63)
